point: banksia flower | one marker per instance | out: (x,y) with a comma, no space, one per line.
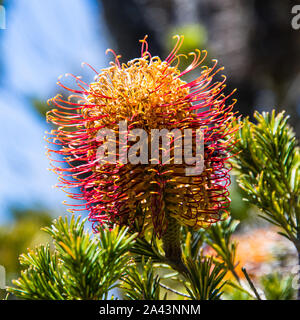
(145,93)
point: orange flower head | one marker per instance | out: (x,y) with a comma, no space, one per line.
(150,94)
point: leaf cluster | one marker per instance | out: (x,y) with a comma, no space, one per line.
(78,267)
(268,166)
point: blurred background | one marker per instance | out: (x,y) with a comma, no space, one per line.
(253,39)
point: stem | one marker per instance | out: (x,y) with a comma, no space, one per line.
(172,246)
(251,284)
(174,291)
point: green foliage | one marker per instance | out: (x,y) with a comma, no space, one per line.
(79,267)
(268,164)
(218,236)
(268,167)
(143,285)
(144,249)
(193,242)
(206,279)
(278,287)
(239,209)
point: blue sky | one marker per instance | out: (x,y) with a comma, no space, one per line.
(43,40)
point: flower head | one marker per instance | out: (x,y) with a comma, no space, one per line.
(147,93)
